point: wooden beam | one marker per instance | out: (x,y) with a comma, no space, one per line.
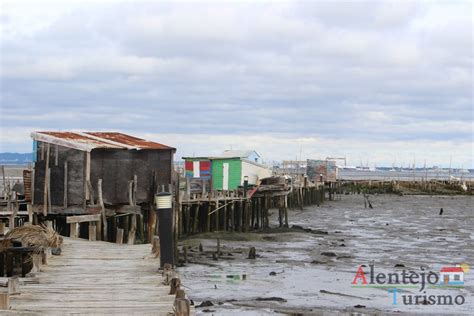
(83,218)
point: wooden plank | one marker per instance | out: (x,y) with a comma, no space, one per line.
(83,218)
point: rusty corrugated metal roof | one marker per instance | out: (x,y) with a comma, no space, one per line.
(91,140)
(129,140)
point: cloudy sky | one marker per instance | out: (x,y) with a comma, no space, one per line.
(385,82)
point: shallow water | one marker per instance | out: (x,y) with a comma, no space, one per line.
(404,230)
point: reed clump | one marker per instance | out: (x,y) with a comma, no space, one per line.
(38,237)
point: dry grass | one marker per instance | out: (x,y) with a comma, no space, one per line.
(36,236)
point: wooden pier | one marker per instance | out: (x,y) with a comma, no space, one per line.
(240,210)
(96,278)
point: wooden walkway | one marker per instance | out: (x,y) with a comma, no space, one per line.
(96,278)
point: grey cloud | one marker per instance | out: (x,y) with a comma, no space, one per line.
(335,69)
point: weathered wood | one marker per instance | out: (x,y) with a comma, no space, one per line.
(101,202)
(156,246)
(174,285)
(130,192)
(65,202)
(4,301)
(92,231)
(46,185)
(97,278)
(83,218)
(49,189)
(56,155)
(13,285)
(119,236)
(91,192)
(135,189)
(74,230)
(29,209)
(182,307)
(133,229)
(87,176)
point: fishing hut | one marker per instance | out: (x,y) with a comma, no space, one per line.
(98,185)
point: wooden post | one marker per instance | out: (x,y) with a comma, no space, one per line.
(185,254)
(155,249)
(119,237)
(98,230)
(102,206)
(65,185)
(4,301)
(33,186)
(36,263)
(135,188)
(13,285)
(174,285)
(92,231)
(46,183)
(2,228)
(49,190)
(216,215)
(74,230)
(29,208)
(133,229)
(182,306)
(151,222)
(87,177)
(130,192)
(91,193)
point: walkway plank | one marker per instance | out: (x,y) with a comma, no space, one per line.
(95,277)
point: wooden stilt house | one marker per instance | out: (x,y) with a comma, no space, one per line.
(84,173)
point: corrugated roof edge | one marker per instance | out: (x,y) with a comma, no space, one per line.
(87,142)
